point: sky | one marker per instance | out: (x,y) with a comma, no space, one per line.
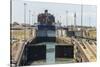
(63,12)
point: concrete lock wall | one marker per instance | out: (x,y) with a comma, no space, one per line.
(37,52)
(47,52)
(64,51)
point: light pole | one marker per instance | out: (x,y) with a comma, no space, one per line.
(60,19)
(25,32)
(82,20)
(25,21)
(66,18)
(33,24)
(29,16)
(32,18)
(75,21)
(29,24)
(89,21)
